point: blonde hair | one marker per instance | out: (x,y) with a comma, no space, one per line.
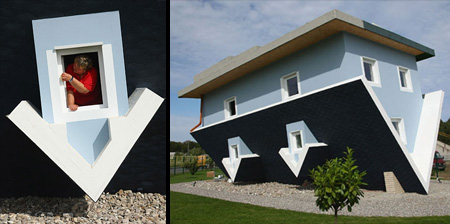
(83,62)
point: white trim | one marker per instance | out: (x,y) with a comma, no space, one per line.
(427,132)
(375,71)
(289,158)
(71,46)
(233,167)
(408,81)
(234,152)
(282,102)
(226,105)
(284,86)
(401,128)
(293,140)
(124,132)
(55,61)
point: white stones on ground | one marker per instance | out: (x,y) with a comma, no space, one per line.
(298,198)
(122,207)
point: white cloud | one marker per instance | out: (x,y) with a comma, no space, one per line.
(203,33)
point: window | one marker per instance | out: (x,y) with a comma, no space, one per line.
(404,77)
(296,140)
(69,59)
(370,71)
(54,47)
(59,58)
(230,107)
(290,85)
(400,128)
(235,151)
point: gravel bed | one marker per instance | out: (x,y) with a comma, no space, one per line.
(297,198)
(122,207)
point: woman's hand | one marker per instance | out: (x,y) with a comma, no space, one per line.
(73,107)
(66,77)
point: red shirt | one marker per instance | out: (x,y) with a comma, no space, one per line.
(90,81)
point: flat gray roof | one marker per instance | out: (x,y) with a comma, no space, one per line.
(333,22)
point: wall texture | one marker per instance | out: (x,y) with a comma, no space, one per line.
(24,168)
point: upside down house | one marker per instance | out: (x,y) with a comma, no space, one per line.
(274,112)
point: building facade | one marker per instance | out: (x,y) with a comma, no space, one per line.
(276,111)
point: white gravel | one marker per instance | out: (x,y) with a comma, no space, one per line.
(296,198)
(122,207)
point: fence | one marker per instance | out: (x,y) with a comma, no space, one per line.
(203,161)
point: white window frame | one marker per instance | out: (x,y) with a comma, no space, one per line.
(408,81)
(234,152)
(375,71)
(284,86)
(401,128)
(227,110)
(293,140)
(55,62)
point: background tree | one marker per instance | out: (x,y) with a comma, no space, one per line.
(175,146)
(191,165)
(444,132)
(196,151)
(337,184)
(184,147)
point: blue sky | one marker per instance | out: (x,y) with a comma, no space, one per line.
(204,32)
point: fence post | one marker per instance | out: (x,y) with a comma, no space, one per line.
(174,165)
(183,166)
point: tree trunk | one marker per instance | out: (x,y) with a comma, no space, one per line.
(335,216)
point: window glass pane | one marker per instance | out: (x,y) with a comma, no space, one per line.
(395,123)
(232,107)
(368,71)
(298,138)
(235,149)
(402,78)
(292,86)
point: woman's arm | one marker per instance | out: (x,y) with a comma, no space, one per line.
(71,101)
(75,83)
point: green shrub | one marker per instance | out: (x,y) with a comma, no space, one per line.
(337,184)
(191,165)
(210,163)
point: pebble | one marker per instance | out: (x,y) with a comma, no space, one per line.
(301,198)
(123,207)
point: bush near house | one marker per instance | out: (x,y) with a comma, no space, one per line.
(337,184)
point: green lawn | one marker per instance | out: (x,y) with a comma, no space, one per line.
(187,177)
(186,208)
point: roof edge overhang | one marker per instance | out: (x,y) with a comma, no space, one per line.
(234,67)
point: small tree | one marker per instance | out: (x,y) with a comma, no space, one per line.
(210,163)
(191,165)
(337,184)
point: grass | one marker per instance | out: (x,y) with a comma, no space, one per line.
(187,177)
(186,208)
